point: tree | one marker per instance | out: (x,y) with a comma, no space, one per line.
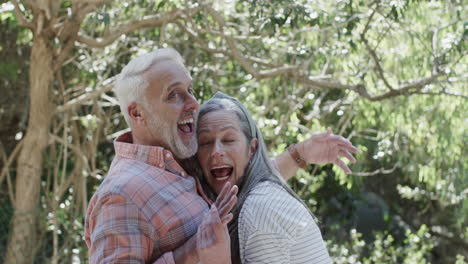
(344,55)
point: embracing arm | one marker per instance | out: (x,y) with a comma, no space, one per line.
(320,148)
(117,231)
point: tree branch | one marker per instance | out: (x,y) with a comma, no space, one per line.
(445,93)
(373,54)
(23,21)
(379,171)
(237,54)
(453,239)
(295,73)
(236,37)
(6,167)
(191,32)
(7,162)
(416,86)
(86,97)
(64,53)
(134,25)
(435,67)
(312,81)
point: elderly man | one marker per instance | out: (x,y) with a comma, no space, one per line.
(148,209)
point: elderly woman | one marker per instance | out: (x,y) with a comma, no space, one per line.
(270,222)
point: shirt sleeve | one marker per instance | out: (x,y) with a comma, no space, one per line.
(278,229)
(264,247)
(308,246)
(120,233)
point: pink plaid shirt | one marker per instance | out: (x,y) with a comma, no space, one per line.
(146,207)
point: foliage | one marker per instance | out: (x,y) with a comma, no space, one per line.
(388,75)
(415,248)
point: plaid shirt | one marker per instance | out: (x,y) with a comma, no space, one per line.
(146,207)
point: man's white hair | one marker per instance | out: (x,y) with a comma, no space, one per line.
(131,84)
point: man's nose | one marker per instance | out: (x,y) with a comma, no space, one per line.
(191,103)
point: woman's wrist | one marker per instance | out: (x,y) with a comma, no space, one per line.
(293,151)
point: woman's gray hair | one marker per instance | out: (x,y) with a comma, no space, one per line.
(259,168)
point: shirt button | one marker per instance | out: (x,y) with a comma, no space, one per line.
(168,155)
(183,174)
(161,165)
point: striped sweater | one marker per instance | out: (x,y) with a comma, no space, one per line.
(275,228)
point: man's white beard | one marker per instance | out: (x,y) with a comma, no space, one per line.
(172,139)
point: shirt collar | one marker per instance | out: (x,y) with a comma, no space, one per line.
(153,155)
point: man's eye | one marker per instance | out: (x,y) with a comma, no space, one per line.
(229,140)
(172,95)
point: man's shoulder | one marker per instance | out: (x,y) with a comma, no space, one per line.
(129,178)
(126,171)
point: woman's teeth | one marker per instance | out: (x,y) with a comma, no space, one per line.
(222,179)
(221,173)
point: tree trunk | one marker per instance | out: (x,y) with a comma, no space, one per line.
(22,244)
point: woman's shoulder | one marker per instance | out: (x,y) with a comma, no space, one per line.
(272,195)
(270,208)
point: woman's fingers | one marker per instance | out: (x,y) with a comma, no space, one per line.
(224,191)
(227,207)
(226,196)
(349,148)
(228,218)
(342,165)
(346,154)
(228,202)
(339,140)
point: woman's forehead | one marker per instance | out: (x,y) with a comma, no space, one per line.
(219,120)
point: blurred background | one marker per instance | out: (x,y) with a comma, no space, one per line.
(390,75)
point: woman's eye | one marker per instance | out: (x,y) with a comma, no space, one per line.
(204,143)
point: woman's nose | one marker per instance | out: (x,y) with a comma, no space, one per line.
(217,151)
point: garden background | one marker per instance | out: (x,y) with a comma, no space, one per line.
(390,75)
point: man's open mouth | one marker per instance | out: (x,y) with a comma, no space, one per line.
(186,126)
(222,173)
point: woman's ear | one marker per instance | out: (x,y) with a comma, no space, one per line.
(253,146)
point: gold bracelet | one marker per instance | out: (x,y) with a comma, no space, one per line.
(296,157)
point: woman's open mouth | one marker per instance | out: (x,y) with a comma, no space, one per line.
(222,173)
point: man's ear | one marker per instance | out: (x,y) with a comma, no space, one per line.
(135,111)
(253,146)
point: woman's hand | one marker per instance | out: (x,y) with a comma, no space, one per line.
(213,241)
(225,202)
(322,148)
